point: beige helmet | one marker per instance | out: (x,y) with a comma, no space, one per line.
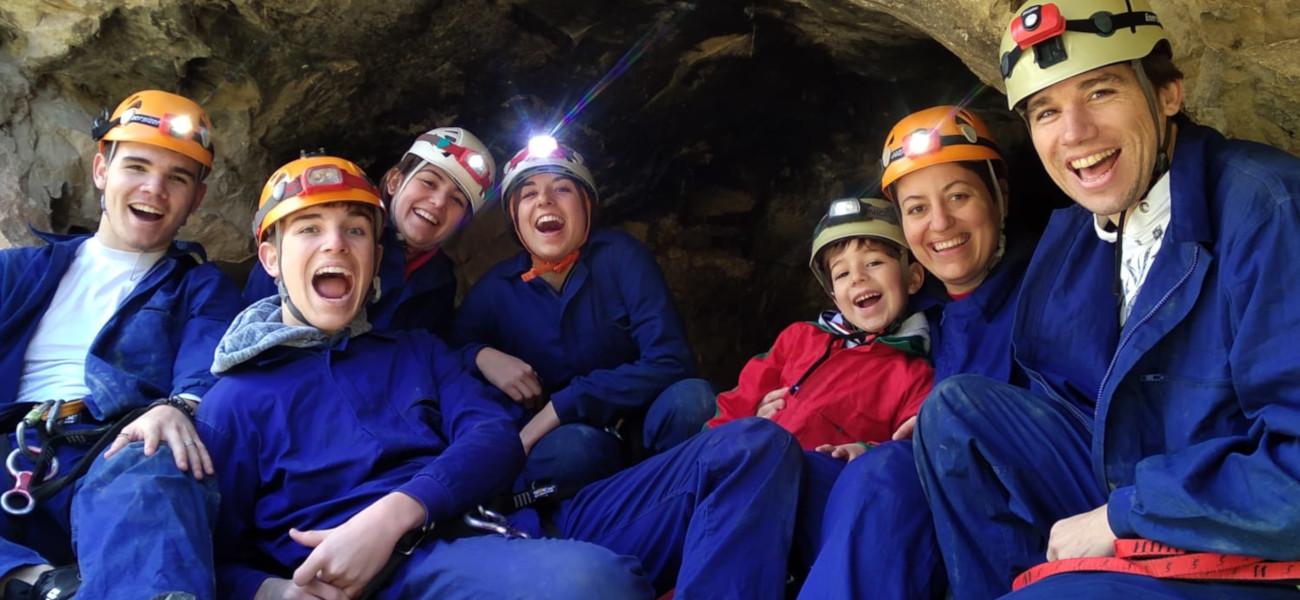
(1049,42)
(462,156)
(855,217)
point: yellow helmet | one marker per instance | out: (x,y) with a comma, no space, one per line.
(851,218)
(159,119)
(941,134)
(1049,42)
(310,181)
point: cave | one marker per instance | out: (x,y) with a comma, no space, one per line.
(717,131)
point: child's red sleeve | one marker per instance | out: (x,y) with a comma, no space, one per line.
(922,379)
(761,375)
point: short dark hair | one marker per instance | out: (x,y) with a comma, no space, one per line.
(1159,66)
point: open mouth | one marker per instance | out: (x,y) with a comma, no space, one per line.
(144,212)
(949,244)
(867,300)
(332,283)
(1094,167)
(427,216)
(549,223)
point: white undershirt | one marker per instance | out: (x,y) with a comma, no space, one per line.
(95,284)
(1144,230)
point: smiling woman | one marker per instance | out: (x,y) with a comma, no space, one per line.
(579,330)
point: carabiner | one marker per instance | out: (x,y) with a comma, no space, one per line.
(18,500)
(493,522)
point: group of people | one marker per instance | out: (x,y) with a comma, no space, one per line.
(973,410)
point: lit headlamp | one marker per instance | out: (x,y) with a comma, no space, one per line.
(542,145)
(852,210)
(178,126)
(472,161)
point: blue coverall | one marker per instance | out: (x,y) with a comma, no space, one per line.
(307,437)
(877,535)
(607,346)
(1184,422)
(425,301)
(158,343)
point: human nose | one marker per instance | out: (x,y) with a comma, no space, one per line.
(1078,125)
(335,240)
(940,218)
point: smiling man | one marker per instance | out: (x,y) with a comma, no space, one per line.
(1155,323)
(97,331)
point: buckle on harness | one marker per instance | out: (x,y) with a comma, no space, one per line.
(493,522)
(18,500)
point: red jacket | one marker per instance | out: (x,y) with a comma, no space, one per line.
(859,394)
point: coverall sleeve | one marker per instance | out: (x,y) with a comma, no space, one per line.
(259,285)
(484,453)
(234,450)
(760,375)
(213,304)
(1237,494)
(474,328)
(601,396)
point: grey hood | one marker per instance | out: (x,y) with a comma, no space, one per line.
(261,327)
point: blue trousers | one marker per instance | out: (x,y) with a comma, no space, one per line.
(713,517)
(576,454)
(136,525)
(877,537)
(1000,466)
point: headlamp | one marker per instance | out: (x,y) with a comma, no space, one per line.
(176,125)
(920,143)
(476,163)
(542,145)
(1036,24)
(844,207)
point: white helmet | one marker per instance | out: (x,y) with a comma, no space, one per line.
(545,155)
(461,155)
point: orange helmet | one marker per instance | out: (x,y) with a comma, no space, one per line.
(937,135)
(309,181)
(159,119)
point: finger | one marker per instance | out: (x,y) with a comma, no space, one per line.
(532,383)
(152,439)
(310,539)
(825,448)
(306,573)
(905,430)
(840,452)
(175,440)
(513,392)
(205,458)
(119,443)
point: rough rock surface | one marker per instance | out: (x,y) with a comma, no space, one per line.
(731,127)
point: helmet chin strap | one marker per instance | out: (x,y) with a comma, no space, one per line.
(285,300)
(1158,170)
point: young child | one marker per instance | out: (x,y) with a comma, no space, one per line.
(858,374)
(855,377)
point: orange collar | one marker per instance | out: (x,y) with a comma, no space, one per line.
(542,266)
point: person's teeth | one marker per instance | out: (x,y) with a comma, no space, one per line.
(1092,159)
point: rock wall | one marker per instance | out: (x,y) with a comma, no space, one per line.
(728,127)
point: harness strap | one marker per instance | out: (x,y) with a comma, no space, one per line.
(1153,559)
(97,438)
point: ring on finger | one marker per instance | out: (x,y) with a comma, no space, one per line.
(189,443)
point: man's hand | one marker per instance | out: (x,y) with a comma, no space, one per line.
(347,557)
(905,430)
(772,402)
(545,421)
(284,589)
(1082,535)
(167,424)
(510,375)
(844,452)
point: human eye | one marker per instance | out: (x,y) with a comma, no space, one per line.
(308,229)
